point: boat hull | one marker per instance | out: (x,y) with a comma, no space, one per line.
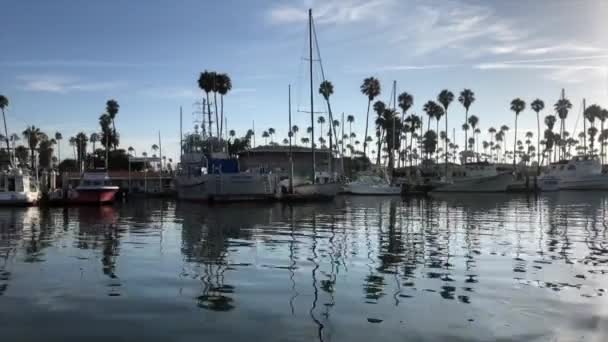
(227,187)
(497,183)
(92,196)
(588,183)
(374,190)
(18,198)
(311,192)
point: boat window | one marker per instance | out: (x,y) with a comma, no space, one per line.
(11,184)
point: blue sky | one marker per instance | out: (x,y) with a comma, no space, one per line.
(61,60)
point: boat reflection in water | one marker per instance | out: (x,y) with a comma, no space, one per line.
(447,267)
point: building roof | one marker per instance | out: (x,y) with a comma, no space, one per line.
(283,149)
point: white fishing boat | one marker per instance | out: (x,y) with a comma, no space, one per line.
(218,179)
(18,187)
(579,173)
(475,177)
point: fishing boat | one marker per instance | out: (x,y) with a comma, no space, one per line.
(18,187)
(578,173)
(475,177)
(322,185)
(216,177)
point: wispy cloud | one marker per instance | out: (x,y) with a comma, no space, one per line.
(76,64)
(404,67)
(330,11)
(62,84)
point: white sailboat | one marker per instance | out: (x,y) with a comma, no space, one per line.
(372,183)
(322,186)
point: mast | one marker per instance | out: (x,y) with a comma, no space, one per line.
(342,145)
(160,172)
(312,108)
(290,151)
(181,136)
(584,126)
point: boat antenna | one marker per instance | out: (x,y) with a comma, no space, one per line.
(312,108)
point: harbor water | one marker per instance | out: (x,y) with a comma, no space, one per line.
(443,268)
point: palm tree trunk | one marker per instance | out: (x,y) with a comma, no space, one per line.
(32,157)
(445,144)
(217,123)
(380,138)
(410,148)
(5,131)
(369,102)
(515,140)
(222,113)
(209,115)
(113,135)
(602,142)
(466,133)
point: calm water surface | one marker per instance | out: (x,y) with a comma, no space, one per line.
(450,268)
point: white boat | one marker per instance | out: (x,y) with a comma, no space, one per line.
(194,182)
(372,184)
(18,187)
(475,177)
(579,173)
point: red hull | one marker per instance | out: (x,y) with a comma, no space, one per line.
(94,196)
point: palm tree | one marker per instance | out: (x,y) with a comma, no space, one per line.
(350,119)
(265,135)
(112,108)
(472,121)
(537,105)
(131,150)
(3,104)
(58,138)
(285,141)
(224,85)
(326,88)
(33,136)
(72,142)
(295,129)
(305,140)
(371,89)
(205,83)
(517,106)
(271,132)
(591,113)
(414,123)
(562,106)
(321,121)
(405,102)
(445,97)
(466,98)
(603,115)
(379,108)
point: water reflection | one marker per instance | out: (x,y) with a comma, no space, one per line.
(325,272)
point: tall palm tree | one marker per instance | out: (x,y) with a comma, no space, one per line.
(537,105)
(224,85)
(562,107)
(265,135)
(591,113)
(445,97)
(3,104)
(379,108)
(72,142)
(112,108)
(492,132)
(295,129)
(466,98)
(371,89)
(350,119)
(305,140)
(271,132)
(517,106)
(321,121)
(94,138)
(603,115)
(205,83)
(58,138)
(232,134)
(472,121)
(326,88)
(131,150)
(33,136)
(503,131)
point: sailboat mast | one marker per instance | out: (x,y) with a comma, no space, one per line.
(312,108)
(290,151)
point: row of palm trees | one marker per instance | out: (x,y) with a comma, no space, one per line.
(214,82)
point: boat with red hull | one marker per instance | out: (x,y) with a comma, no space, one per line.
(95,187)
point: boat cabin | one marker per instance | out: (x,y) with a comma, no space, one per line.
(17,181)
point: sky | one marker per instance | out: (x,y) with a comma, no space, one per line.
(61,60)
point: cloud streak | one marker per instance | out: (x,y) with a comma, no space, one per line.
(76,64)
(61,84)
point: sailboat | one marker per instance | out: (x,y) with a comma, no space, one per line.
(322,185)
